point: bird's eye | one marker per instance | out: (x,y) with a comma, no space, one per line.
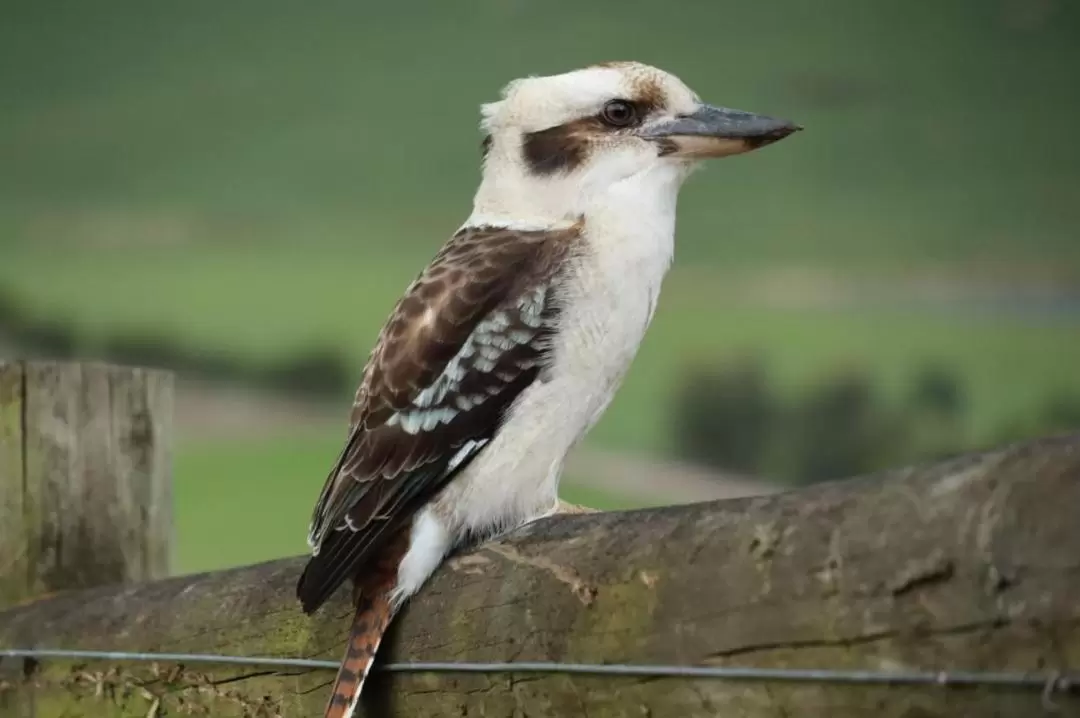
(619,113)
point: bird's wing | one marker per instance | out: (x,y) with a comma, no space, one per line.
(470,334)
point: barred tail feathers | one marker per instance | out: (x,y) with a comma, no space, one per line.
(373,614)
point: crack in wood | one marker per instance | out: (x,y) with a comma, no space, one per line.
(936,567)
(854,641)
(584,592)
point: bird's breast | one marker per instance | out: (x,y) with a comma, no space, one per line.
(608,302)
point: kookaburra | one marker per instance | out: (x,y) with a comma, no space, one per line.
(511,343)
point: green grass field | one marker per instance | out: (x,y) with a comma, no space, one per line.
(261,304)
(259,492)
(259,178)
(244,501)
(932,136)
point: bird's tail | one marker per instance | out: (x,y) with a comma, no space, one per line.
(373,613)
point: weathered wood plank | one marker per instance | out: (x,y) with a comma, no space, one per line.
(91,480)
(14,567)
(141,428)
(972,564)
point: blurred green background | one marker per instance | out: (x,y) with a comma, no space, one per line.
(241,190)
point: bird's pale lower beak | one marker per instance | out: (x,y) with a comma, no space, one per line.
(716,132)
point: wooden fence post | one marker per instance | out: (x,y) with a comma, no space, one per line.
(85,476)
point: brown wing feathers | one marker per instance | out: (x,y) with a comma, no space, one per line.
(469,335)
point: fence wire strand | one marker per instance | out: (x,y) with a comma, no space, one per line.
(1048,683)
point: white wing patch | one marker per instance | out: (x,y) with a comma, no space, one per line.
(470,448)
(493,336)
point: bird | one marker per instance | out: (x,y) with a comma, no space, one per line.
(507,348)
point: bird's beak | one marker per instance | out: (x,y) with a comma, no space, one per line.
(716,132)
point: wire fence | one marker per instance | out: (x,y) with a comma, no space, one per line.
(1048,683)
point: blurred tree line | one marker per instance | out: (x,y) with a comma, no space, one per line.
(730,417)
(319,372)
(727,416)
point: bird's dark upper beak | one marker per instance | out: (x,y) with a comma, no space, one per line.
(716,132)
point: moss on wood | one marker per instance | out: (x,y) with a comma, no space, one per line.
(966,565)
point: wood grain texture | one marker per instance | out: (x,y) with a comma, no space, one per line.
(967,565)
(86,469)
(14,567)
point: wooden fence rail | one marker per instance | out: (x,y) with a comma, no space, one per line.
(972,564)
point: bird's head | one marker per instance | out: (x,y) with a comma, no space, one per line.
(552,144)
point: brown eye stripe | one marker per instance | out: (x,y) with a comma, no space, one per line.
(561,148)
(565,147)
